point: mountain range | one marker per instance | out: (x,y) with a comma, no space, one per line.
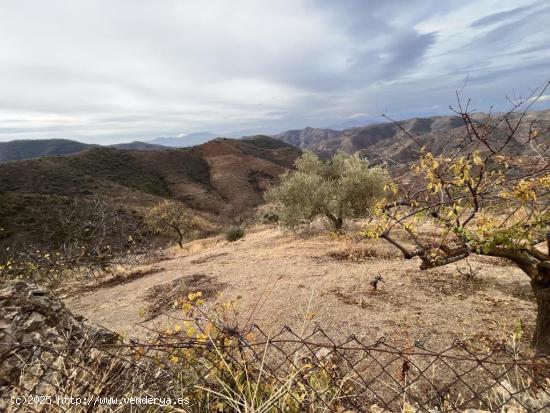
(19,150)
(381,141)
(208,177)
(375,140)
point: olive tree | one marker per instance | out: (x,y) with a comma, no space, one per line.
(172,217)
(489,195)
(340,188)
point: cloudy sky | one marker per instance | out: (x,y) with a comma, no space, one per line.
(110,71)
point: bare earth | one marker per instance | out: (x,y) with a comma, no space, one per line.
(284,278)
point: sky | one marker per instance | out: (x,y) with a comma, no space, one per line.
(105,71)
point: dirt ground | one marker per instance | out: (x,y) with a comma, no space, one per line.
(284,279)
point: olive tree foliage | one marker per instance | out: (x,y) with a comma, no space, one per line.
(173,217)
(340,188)
(488,195)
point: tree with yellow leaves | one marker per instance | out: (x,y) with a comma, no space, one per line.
(489,196)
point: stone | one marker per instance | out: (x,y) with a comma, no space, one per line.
(34,322)
(31,338)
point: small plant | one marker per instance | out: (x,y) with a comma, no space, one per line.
(270,218)
(469,272)
(234,233)
(375,281)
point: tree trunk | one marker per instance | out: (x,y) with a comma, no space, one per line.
(180,240)
(337,222)
(541,287)
(541,338)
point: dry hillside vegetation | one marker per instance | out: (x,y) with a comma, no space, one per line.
(279,278)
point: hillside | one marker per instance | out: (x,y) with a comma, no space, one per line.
(384,140)
(37,148)
(308,138)
(206,177)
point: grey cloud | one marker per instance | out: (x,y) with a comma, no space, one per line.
(109,71)
(502,16)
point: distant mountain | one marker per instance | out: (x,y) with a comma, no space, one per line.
(267,142)
(191,139)
(37,148)
(140,146)
(267,131)
(382,141)
(307,138)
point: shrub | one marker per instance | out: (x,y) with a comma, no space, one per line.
(234,233)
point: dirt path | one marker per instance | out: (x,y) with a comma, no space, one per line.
(281,276)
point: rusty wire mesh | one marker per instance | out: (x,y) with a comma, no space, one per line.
(255,372)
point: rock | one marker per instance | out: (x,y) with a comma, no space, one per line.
(34,322)
(4,324)
(30,338)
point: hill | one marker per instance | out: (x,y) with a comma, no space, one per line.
(381,141)
(37,148)
(207,177)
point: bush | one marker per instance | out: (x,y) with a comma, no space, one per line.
(234,233)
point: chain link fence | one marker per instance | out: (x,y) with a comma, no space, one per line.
(223,370)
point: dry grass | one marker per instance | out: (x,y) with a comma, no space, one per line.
(208,257)
(162,298)
(124,277)
(355,252)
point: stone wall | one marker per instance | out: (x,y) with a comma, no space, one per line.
(35,328)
